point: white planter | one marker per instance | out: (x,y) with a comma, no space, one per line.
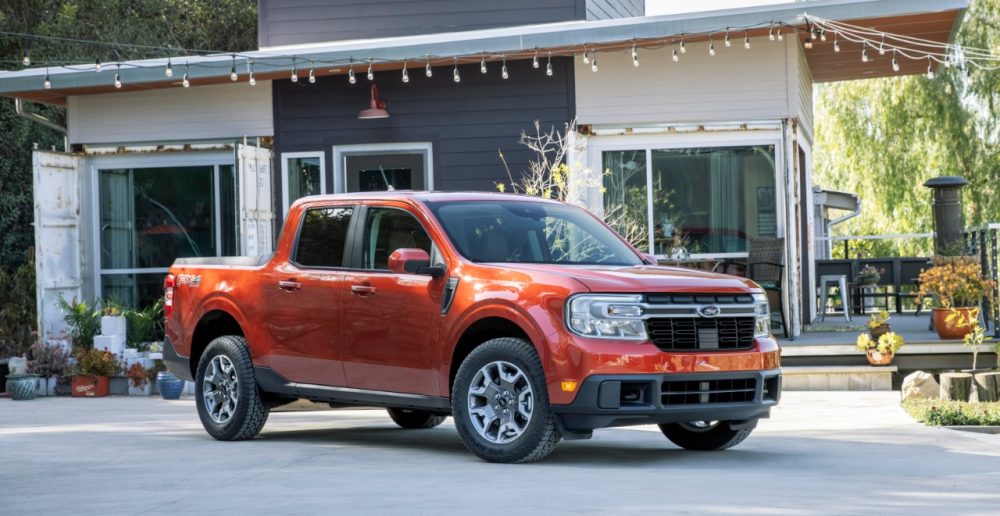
(145,390)
(130,353)
(113,325)
(155,356)
(113,343)
(46,387)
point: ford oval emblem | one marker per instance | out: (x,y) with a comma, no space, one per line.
(709,311)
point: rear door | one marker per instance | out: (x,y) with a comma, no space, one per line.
(304,295)
(392,321)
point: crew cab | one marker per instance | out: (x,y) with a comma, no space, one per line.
(526,320)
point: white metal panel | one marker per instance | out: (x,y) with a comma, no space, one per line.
(177,114)
(57,237)
(800,87)
(735,84)
(256,207)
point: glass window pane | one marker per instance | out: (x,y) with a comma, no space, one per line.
(133,290)
(712,200)
(227,208)
(322,239)
(151,216)
(387,230)
(625,198)
(303,177)
(376,172)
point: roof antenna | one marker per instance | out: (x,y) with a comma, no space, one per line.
(388,187)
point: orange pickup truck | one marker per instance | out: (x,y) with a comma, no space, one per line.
(526,320)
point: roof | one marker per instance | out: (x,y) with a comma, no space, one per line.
(934,20)
(836,200)
(423,196)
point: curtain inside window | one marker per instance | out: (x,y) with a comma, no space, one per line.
(726,201)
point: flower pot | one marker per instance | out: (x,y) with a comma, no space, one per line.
(47,386)
(22,387)
(878,359)
(113,325)
(118,386)
(90,386)
(879,331)
(145,390)
(170,386)
(950,330)
(64,386)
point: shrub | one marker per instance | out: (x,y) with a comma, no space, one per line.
(48,361)
(145,325)
(84,322)
(953,413)
(18,321)
(138,375)
(92,362)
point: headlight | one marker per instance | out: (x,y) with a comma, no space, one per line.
(762,311)
(606,316)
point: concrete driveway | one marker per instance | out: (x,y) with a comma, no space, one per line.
(836,452)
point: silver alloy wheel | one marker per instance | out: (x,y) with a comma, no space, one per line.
(699,426)
(500,402)
(220,389)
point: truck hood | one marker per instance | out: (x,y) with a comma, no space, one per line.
(643,278)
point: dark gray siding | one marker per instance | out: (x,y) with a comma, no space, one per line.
(287,22)
(607,9)
(467,122)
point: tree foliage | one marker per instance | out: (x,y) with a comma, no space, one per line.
(882,138)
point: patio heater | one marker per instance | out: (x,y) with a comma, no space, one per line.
(948,218)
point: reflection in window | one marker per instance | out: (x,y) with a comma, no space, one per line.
(625,207)
(388,230)
(304,177)
(322,238)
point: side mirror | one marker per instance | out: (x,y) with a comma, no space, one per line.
(414,261)
(650,258)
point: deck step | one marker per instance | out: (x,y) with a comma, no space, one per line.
(837,378)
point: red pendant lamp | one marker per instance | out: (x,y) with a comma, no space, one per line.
(377,108)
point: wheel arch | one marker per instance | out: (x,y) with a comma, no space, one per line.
(489,326)
(213,323)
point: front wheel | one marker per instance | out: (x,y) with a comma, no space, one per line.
(707,435)
(501,405)
(412,418)
(229,404)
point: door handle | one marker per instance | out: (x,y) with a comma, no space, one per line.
(289,285)
(362,290)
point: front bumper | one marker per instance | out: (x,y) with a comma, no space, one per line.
(639,399)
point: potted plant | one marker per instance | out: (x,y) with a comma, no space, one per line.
(49,362)
(868,276)
(84,322)
(955,283)
(880,352)
(22,386)
(112,319)
(93,367)
(878,324)
(145,325)
(138,380)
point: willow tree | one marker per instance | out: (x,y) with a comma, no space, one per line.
(882,138)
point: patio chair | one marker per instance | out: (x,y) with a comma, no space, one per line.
(909,276)
(766,267)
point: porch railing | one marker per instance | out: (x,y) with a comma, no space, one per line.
(983,241)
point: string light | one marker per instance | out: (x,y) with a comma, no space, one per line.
(548,66)
(635,55)
(350,75)
(809,42)
(503,69)
(836,44)
(881,46)
(185,81)
(895,64)
(586,56)
(593,62)
(169,71)
(770,32)
(683,48)
(482,64)
(455,75)
(253,77)
(232,71)
(711,46)
(674,56)
(427,70)
(864,54)
(97,65)
(930,68)
(47,84)
(295,72)
(312,73)
(822,35)
(780,36)
(406,73)
(728,42)
(534,60)
(371,74)
(746,40)
(118,76)
(26,60)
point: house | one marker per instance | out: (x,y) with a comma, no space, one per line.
(698,125)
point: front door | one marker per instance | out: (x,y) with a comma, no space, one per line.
(391,321)
(303,298)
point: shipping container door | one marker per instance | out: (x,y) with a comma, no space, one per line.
(256,204)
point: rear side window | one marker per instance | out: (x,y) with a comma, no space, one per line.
(323,236)
(390,229)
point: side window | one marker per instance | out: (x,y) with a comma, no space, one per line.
(390,229)
(322,238)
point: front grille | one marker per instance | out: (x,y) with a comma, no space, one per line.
(700,299)
(701,333)
(697,392)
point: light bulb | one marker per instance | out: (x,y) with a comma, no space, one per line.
(97,65)
(169,70)
(593,62)
(895,64)
(371,74)
(930,69)
(185,81)
(350,76)
(864,55)
(635,56)
(683,48)
(770,32)
(674,56)
(232,74)
(548,68)
(728,42)
(26,60)
(427,70)
(118,80)
(881,46)
(503,71)
(822,35)
(780,36)
(455,75)
(534,60)
(406,74)
(836,45)
(482,65)
(809,43)
(253,79)
(711,48)
(312,76)
(295,75)
(586,57)
(47,83)
(746,41)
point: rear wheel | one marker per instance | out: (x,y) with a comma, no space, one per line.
(412,418)
(229,404)
(707,435)
(501,405)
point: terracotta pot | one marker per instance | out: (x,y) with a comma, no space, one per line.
(90,386)
(878,359)
(950,330)
(879,331)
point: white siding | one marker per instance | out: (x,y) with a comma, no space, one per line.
(171,115)
(803,83)
(736,84)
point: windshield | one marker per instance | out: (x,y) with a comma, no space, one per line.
(530,232)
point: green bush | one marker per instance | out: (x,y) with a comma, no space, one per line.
(953,413)
(84,322)
(145,325)
(18,320)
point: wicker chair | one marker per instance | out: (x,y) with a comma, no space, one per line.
(766,267)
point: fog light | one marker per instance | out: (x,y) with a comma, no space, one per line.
(568,386)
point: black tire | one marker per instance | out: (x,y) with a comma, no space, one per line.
(251,411)
(412,418)
(540,434)
(717,437)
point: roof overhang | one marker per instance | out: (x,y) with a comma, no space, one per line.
(929,19)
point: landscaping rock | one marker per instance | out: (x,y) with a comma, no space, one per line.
(919,384)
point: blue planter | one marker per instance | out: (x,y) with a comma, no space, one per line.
(22,387)
(170,386)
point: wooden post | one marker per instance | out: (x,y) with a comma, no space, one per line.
(956,386)
(988,386)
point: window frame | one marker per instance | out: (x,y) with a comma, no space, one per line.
(359,240)
(342,152)
(285,157)
(597,145)
(348,240)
